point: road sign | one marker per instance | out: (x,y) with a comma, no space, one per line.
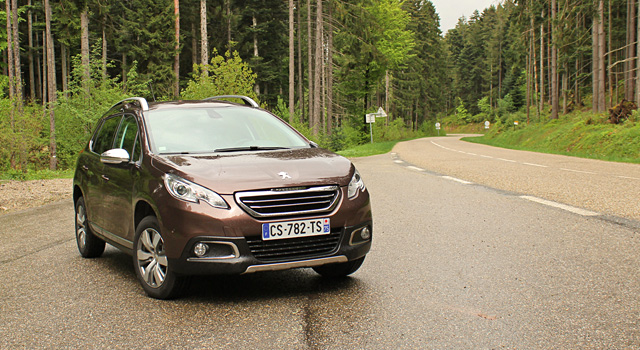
(437,126)
(381,112)
(486,124)
(370,118)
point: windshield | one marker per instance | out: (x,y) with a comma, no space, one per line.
(220,129)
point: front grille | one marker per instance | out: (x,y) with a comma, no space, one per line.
(283,250)
(289,202)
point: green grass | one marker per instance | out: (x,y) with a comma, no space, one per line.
(368,149)
(577,134)
(36,175)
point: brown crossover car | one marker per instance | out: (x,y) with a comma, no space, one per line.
(216,187)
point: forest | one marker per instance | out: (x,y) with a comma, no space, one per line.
(319,64)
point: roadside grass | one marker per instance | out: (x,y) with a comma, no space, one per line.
(368,149)
(579,134)
(36,175)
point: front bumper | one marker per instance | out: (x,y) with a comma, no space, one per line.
(237,255)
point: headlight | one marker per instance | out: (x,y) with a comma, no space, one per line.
(355,185)
(190,192)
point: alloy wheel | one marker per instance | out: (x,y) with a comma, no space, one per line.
(152,260)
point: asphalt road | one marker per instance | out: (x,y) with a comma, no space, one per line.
(456,263)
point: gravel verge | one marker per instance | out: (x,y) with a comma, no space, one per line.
(19,195)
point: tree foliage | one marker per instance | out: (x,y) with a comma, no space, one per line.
(351,57)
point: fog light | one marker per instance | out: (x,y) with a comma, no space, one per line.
(365,233)
(200,249)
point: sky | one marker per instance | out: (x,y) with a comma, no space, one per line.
(451,10)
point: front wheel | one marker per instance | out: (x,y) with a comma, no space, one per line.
(151,263)
(339,269)
(89,245)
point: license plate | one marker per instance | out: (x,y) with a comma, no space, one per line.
(293,229)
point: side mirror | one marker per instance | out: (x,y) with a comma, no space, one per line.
(115,156)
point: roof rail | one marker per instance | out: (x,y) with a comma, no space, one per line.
(141,100)
(247,100)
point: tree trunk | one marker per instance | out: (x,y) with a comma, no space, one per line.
(84,50)
(595,64)
(565,87)
(32,82)
(51,83)
(330,71)
(204,41)
(630,51)
(256,53)
(194,45)
(637,97)
(309,64)
(104,55)
(554,61)
(39,72)
(318,69)
(12,89)
(541,107)
(300,76)
(609,73)
(16,55)
(292,81)
(601,53)
(10,60)
(530,64)
(176,60)
(65,70)
(44,84)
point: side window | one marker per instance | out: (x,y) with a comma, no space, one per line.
(104,138)
(127,137)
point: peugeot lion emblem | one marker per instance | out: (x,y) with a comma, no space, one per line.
(284,175)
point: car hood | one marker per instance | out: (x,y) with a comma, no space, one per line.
(243,171)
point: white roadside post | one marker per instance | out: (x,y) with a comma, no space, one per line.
(438,128)
(369,119)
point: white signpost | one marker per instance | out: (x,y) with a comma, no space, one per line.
(370,118)
(438,128)
(486,124)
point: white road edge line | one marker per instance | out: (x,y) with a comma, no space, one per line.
(457,180)
(568,208)
(415,168)
(538,165)
(506,160)
(627,177)
(579,171)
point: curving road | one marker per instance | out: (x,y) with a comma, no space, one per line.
(457,263)
(606,188)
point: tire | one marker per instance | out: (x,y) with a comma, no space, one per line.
(151,263)
(340,269)
(89,245)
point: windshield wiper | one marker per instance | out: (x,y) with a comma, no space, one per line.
(248,148)
(174,153)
